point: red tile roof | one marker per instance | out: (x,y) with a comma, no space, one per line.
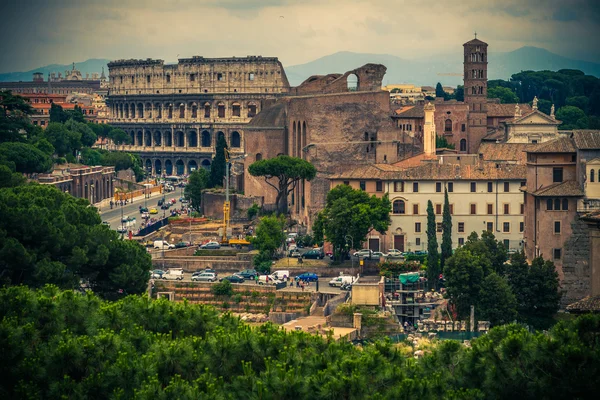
(410,112)
(505,151)
(560,145)
(587,139)
(506,110)
(563,189)
(587,304)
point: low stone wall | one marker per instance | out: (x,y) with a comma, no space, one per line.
(212,204)
(223,265)
(340,320)
(333,303)
(281,318)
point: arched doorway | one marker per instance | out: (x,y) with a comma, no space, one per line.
(192,166)
(193,139)
(140,138)
(206,139)
(235,139)
(148,166)
(147,138)
(97,190)
(463,145)
(206,164)
(132,138)
(352,83)
(158,167)
(168,139)
(179,141)
(179,167)
(168,167)
(157,139)
(220,135)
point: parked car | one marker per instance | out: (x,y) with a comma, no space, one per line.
(212,271)
(393,253)
(340,280)
(106,223)
(346,286)
(210,245)
(268,280)
(181,245)
(153,211)
(205,276)
(316,254)
(184,201)
(173,274)
(125,218)
(294,253)
(377,255)
(247,273)
(157,274)
(122,229)
(160,202)
(163,245)
(233,279)
(307,277)
(281,275)
(143,210)
(165,206)
(145,215)
(367,253)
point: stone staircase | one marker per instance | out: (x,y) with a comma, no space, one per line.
(318,312)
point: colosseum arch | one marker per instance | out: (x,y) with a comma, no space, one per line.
(206,164)
(140,110)
(158,107)
(193,138)
(126,107)
(194,108)
(132,138)
(192,166)
(147,138)
(220,135)
(139,139)
(181,111)
(206,139)
(352,82)
(179,139)
(158,167)
(157,139)
(206,110)
(148,110)
(179,167)
(132,110)
(251,109)
(148,166)
(221,109)
(236,109)
(168,138)
(168,167)
(170,111)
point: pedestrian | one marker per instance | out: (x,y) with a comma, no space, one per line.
(256,278)
(302,285)
(298,283)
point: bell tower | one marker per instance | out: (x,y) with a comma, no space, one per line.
(475,82)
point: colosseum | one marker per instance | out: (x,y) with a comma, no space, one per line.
(175,113)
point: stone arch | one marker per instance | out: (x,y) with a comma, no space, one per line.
(132,138)
(148,165)
(463,145)
(236,109)
(181,109)
(399,206)
(206,164)
(220,135)
(303,144)
(179,167)
(170,110)
(236,140)
(158,167)
(221,109)
(147,138)
(206,139)
(140,110)
(258,157)
(139,139)
(85,192)
(293,138)
(158,107)
(97,190)
(168,167)
(157,138)
(126,110)
(352,82)
(192,166)
(194,108)
(193,138)
(132,110)
(207,110)
(148,110)
(179,139)
(168,138)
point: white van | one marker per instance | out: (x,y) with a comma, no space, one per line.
(163,245)
(174,274)
(281,275)
(340,280)
(268,280)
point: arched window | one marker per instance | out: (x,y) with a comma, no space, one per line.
(565,204)
(206,139)
(352,83)
(258,156)
(251,110)
(463,144)
(236,110)
(557,204)
(206,110)
(235,139)
(194,110)
(592,176)
(221,110)
(182,110)
(399,207)
(448,125)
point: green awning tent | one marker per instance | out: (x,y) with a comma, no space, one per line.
(409,278)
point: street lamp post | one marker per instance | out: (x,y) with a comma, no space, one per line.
(122,231)
(352,244)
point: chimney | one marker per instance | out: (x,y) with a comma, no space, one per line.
(429,130)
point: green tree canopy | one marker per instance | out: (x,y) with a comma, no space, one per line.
(88,137)
(496,300)
(9,178)
(464,275)
(64,141)
(439,90)
(269,234)
(14,117)
(433,257)
(572,118)
(506,95)
(442,143)
(47,236)
(351,212)
(446,232)
(119,136)
(26,158)
(197,182)
(286,172)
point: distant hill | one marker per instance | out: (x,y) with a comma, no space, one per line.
(86,67)
(445,68)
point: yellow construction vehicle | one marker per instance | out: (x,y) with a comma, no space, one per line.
(227,205)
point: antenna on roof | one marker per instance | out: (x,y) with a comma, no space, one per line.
(475,34)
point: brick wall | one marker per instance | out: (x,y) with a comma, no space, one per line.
(577,274)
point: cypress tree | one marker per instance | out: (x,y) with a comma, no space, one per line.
(433,267)
(217,169)
(447,232)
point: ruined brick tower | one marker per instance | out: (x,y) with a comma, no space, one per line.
(475,80)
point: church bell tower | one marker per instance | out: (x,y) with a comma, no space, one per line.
(475,82)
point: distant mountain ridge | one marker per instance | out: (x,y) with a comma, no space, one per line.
(86,67)
(444,68)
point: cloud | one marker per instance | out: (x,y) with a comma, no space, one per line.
(59,31)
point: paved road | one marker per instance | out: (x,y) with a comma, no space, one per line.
(132,209)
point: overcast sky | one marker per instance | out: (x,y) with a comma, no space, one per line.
(39,32)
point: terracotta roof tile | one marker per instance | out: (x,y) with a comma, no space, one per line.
(560,145)
(433,171)
(411,112)
(566,188)
(505,151)
(587,304)
(587,139)
(414,160)
(506,110)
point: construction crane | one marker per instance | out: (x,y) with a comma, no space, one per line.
(227,205)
